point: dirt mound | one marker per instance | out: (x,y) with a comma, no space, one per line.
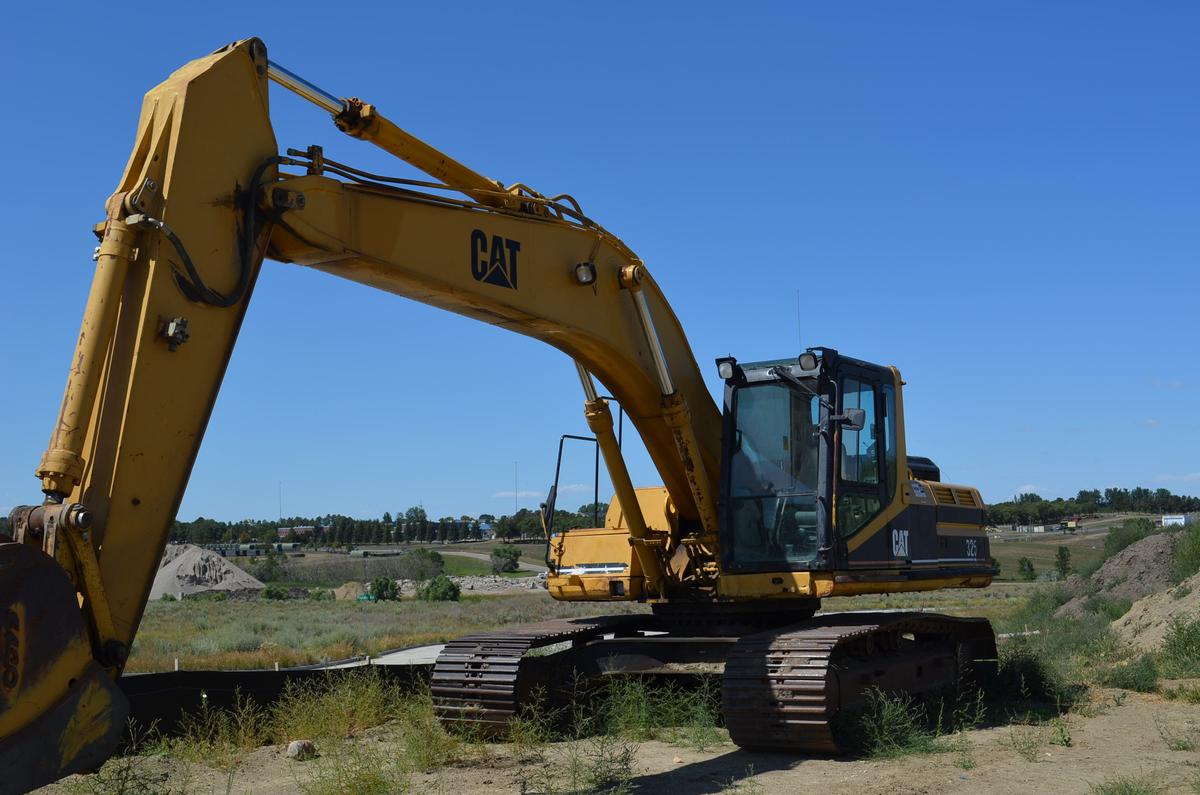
(186,569)
(349,592)
(1141,569)
(1147,622)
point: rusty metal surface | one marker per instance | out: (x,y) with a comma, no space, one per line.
(479,681)
(783,690)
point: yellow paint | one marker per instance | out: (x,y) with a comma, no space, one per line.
(960,529)
(41,683)
(89,723)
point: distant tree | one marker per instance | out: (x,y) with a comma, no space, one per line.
(487,517)
(586,512)
(387,518)
(505,558)
(415,514)
(1062,562)
(1025,569)
(384,589)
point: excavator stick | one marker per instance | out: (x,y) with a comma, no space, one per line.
(179,254)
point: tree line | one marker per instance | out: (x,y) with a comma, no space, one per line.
(410,526)
(1031,508)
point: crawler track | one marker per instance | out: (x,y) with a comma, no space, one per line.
(479,681)
(783,689)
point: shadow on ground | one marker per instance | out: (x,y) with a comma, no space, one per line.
(719,773)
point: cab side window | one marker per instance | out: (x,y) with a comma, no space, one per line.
(860,489)
(860,453)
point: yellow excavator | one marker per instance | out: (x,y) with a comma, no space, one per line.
(798,489)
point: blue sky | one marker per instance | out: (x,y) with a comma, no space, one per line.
(1001,200)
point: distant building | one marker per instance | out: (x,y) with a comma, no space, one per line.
(486,531)
(1174,520)
(305,531)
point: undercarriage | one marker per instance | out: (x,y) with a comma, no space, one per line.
(786,688)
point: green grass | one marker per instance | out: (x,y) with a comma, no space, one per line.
(1128,785)
(636,709)
(1180,654)
(1086,553)
(1139,673)
(1187,553)
(331,712)
(895,725)
(459,566)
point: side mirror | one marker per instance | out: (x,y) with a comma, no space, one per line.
(853,419)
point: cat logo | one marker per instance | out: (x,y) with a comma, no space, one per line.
(900,543)
(494,263)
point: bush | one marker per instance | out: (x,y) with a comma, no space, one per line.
(1181,649)
(320,595)
(1040,607)
(440,589)
(1128,785)
(640,709)
(384,589)
(1111,607)
(1187,553)
(270,567)
(277,592)
(1140,675)
(1128,532)
(209,596)
(1025,569)
(167,597)
(420,564)
(894,725)
(505,557)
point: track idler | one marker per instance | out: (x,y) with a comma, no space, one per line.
(60,711)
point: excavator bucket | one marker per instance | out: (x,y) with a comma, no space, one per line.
(60,711)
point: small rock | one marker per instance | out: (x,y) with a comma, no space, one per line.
(301,750)
(678,760)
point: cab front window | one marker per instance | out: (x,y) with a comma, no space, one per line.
(773,476)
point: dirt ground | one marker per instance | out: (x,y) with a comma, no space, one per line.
(1117,734)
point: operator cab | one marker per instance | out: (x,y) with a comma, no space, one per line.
(796,432)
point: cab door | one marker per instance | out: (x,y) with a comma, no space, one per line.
(866,467)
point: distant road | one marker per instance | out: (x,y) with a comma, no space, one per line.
(480,556)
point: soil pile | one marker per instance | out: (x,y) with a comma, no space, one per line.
(1146,624)
(349,592)
(1141,569)
(187,569)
